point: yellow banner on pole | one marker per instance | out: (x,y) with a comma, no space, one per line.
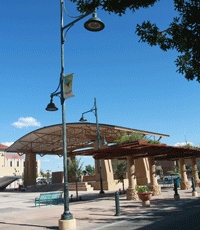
(68,80)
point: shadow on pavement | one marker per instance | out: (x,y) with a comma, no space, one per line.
(30,225)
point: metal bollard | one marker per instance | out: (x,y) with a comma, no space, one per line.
(193,185)
(176,195)
(117,204)
(194,191)
(175,187)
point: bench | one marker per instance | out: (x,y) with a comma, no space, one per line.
(49,197)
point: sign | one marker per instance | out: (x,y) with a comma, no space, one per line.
(48,174)
(68,80)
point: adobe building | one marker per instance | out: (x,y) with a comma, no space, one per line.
(12,164)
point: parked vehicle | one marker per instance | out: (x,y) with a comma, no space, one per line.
(41,181)
(172,176)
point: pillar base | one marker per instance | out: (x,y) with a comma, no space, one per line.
(146,203)
(176,197)
(184,185)
(67,224)
(131,194)
(194,193)
(156,189)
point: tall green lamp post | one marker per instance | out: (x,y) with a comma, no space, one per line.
(93,24)
(94,108)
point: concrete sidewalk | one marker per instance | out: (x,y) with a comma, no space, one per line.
(18,209)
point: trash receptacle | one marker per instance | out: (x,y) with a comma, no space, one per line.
(20,187)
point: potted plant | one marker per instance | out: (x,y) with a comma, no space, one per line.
(143,193)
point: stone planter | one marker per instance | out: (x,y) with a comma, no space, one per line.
(145,197)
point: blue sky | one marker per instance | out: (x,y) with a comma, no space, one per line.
(136,85)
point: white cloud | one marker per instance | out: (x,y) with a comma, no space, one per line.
(7,143)
(183,143)
(26,122)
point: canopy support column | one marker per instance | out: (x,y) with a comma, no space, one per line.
(195,171)
(131,193)
(154,187)
(184,184)
(30,170)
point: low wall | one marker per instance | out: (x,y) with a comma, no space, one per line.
(88,178)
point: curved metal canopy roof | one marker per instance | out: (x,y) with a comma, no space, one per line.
(48,140)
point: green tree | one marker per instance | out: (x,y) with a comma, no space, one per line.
(150,141)
(89,170)
(120,168)
(183,33)
(128,138)
(125,138)
(75,171)
(187,146)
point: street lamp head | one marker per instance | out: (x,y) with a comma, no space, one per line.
(51,106)
(94,24)
(83,118)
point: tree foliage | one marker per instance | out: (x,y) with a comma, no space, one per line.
(120,168)
(89,170)
(115,6)
(125,138)
(155,142)
(75,169)
(183,34)
(43,174)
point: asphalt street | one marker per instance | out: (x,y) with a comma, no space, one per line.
(183,217)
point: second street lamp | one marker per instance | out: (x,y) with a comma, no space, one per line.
(98,139)
(94,24)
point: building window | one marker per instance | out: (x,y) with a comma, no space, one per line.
(10,163)
(17,163)
(24,164)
